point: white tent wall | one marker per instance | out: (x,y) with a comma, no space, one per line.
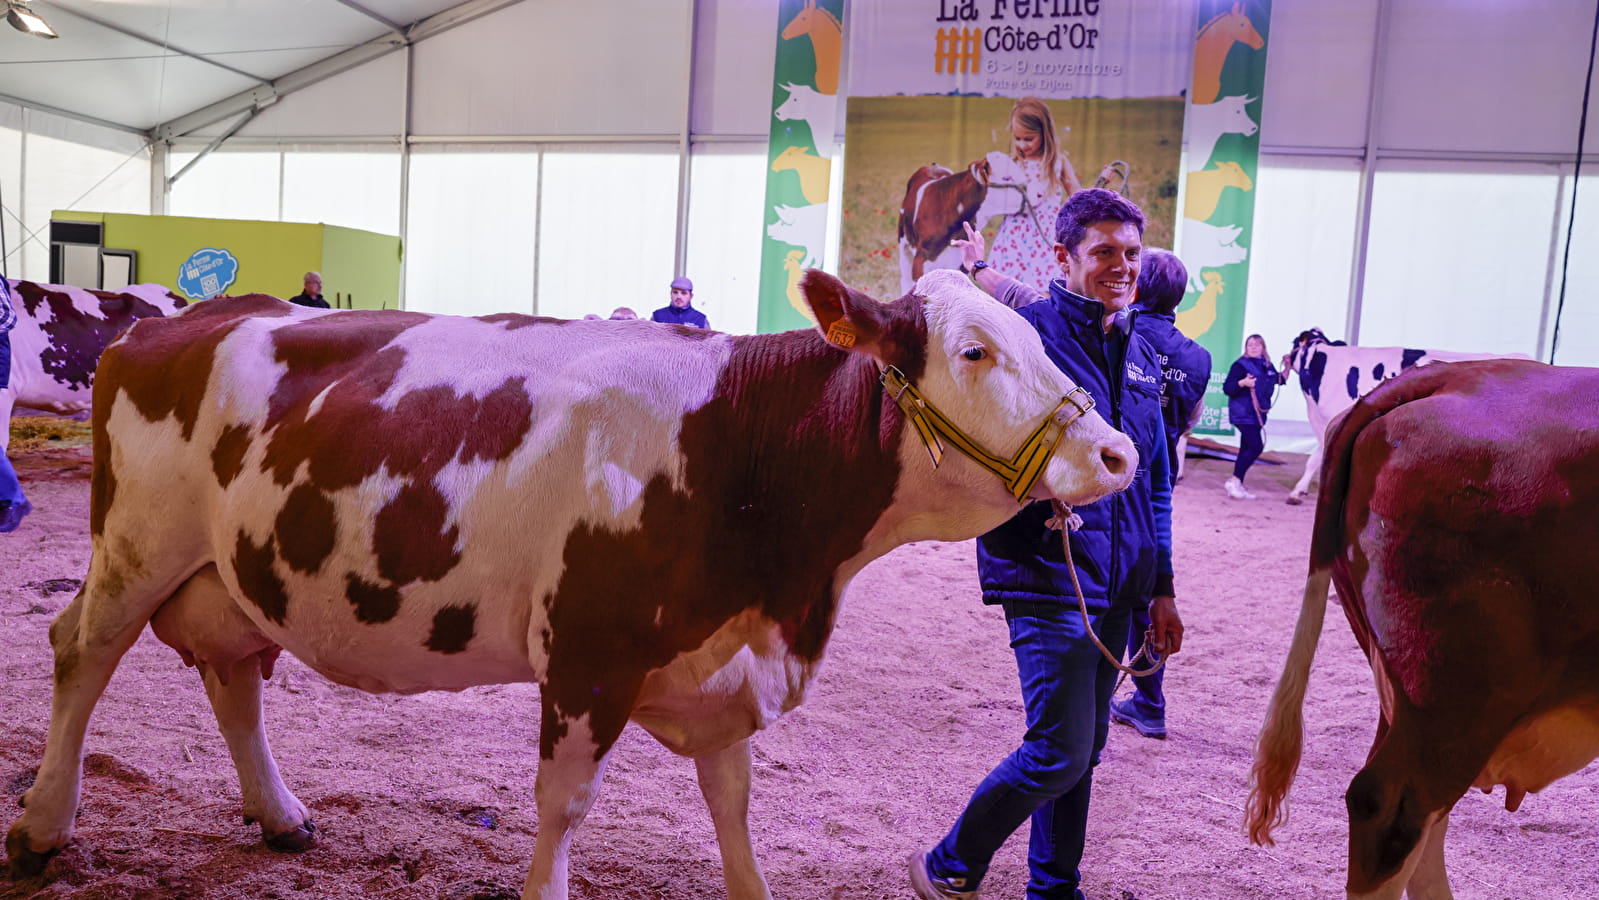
(48,162)
(1380,212)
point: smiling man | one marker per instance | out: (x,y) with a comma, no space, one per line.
(1122,554)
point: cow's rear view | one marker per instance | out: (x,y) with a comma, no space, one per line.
(654,523)
(1456,518)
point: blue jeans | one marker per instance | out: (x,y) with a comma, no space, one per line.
(1066,686)
(1148,699)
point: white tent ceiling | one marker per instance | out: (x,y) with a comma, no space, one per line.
(166,67)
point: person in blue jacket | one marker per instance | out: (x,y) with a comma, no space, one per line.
(13,503)
(681,310)
(1249,387)
(1122,555)
(1185,371)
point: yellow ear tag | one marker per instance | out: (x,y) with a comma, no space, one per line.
(841,334)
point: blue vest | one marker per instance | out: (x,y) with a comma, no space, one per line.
(1121,549)
(1185,369)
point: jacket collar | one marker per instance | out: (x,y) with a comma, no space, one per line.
(1082,311)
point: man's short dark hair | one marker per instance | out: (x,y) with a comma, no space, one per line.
(1089,207)
(1162,281)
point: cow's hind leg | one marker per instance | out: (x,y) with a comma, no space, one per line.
(725,781)
(205,626)
(88,638)
(1312,466)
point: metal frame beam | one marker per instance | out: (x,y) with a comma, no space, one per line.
(386,23)
(325,69)
(156,42)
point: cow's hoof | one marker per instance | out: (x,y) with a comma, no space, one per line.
(295,840)
(1295,499)
(24,862)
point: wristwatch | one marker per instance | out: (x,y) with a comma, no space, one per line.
(975,268)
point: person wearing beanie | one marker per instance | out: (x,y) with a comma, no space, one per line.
(681,310)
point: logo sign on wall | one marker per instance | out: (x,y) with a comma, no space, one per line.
(207,273)
(1218,224)
(990,113)
(799,158)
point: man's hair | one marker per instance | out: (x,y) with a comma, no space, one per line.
(1162,281)
(310,275)
(1090,207)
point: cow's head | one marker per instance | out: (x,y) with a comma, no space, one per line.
(982,369)
(1299,354)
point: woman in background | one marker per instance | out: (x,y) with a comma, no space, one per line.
(1249,387)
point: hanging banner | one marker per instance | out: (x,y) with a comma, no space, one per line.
(810,39)
(1218,225)
(993,112)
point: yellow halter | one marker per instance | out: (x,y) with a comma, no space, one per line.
(1021,471)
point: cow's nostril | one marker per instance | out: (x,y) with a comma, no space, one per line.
(1115,463)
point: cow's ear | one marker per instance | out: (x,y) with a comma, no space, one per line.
(847,319)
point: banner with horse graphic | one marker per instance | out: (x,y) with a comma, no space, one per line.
(1218,224)
(991,113)
(799,156)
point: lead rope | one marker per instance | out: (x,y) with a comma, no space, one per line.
(1069,522)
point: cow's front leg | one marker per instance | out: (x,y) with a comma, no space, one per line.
(572,756)
(725,781)
(1430,881)
(285,822)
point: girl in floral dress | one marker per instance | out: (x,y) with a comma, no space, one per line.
(1025,245)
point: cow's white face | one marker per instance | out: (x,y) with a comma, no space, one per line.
(987,371)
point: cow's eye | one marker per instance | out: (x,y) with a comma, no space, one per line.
(974,353)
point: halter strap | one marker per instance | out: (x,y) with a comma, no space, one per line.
(1021,471)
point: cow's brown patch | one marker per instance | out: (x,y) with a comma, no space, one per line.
(788,467)
(410,539)
(103,484)
(306,528)
(453,628)
(227,457)
(165,367)
(514,321)
(374,603)
(345,364)
(252,565)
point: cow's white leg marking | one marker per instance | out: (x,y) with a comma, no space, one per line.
(89,638)
(725,781)
(1430,881)
(564,789)
(285,822)
(8,399)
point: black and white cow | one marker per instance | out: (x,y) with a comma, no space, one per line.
(1333,375)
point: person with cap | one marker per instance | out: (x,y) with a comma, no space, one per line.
(681,310)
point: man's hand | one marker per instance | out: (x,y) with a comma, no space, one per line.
(971,248)
(1165,626)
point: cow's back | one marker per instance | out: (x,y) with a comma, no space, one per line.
(392,486)
(61,332)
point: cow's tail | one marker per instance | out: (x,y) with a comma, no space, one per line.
(1282,737)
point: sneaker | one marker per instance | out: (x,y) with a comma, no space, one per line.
(11,515)
(1124,712)
(931,887)
(1235,490)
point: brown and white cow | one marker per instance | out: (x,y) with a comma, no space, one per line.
(1456,518)
(654,523)
(937,203)
(61,332)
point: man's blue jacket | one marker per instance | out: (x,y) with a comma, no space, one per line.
(1123,550)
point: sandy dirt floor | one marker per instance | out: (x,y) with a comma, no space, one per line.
(432,795)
